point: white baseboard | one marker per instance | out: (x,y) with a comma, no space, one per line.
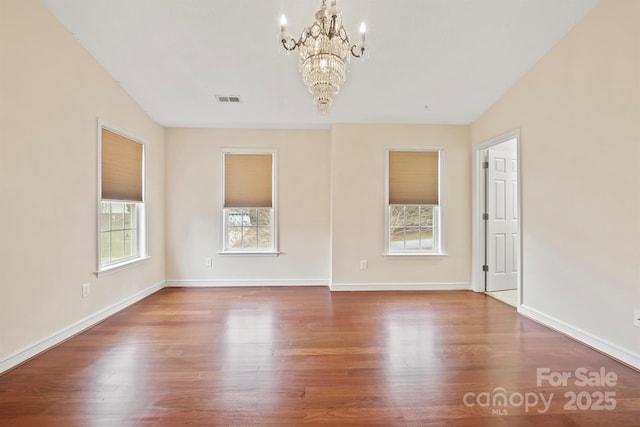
(244,283)
(26,353)
(400,286)
(623,355)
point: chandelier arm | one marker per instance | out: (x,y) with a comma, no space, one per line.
(357,51)
(289,43)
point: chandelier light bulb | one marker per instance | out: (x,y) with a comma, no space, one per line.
(333,9)
(283,23)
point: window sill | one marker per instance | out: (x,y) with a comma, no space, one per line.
(119,267)
(249,253)
(415,255)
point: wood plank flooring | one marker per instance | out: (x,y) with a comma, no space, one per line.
(293,356)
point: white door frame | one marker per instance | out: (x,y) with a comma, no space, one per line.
(477,224)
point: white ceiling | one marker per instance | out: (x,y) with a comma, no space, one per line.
(455,56)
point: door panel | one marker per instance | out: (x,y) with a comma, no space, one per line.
(500,198)
(514,204)
(515,242)
(501,253)
(502,226)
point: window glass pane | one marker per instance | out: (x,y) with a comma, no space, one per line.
(134,242)
(250,237)
(117,245)
(426,216)
(128,250)
(134,215)
(129,215)
(397,238)
(122,241)
(105,223)
(397,216)
(426,238)
(253,217)
(264,237)
(238,217)
(412,228)
(234,237)
(234,219)
(249,228)
(412,216)
(105,247)
(412,238)
(264,216)
(117,216)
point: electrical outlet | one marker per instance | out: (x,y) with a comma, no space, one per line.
(364,264)
(636,317)
(208,262)
(86,290)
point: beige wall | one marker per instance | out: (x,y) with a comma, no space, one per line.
(51,94)
(579,112)
(194,207)
(353,157)
(357,200)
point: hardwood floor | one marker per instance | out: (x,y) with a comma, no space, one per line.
(291,356)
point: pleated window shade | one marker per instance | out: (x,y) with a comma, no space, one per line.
(247,180)
(413,177)
(121,168)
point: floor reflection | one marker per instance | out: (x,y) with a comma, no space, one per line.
(249,325)
(412,355)
(249,373)
(118,379)
(409,337)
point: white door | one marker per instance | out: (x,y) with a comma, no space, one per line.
(503,241)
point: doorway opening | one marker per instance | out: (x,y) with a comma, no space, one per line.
(497,220)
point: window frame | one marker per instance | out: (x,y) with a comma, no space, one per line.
(141,211)
(439,228)
(273,250)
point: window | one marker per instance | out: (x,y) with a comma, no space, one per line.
(248,201)
(121,208)
(118,233)
(413,217)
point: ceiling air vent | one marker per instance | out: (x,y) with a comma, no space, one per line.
(228,99)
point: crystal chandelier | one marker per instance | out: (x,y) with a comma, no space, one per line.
(325,51)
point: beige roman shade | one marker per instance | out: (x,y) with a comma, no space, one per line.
(247,180)
(413,177)
(121,168)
